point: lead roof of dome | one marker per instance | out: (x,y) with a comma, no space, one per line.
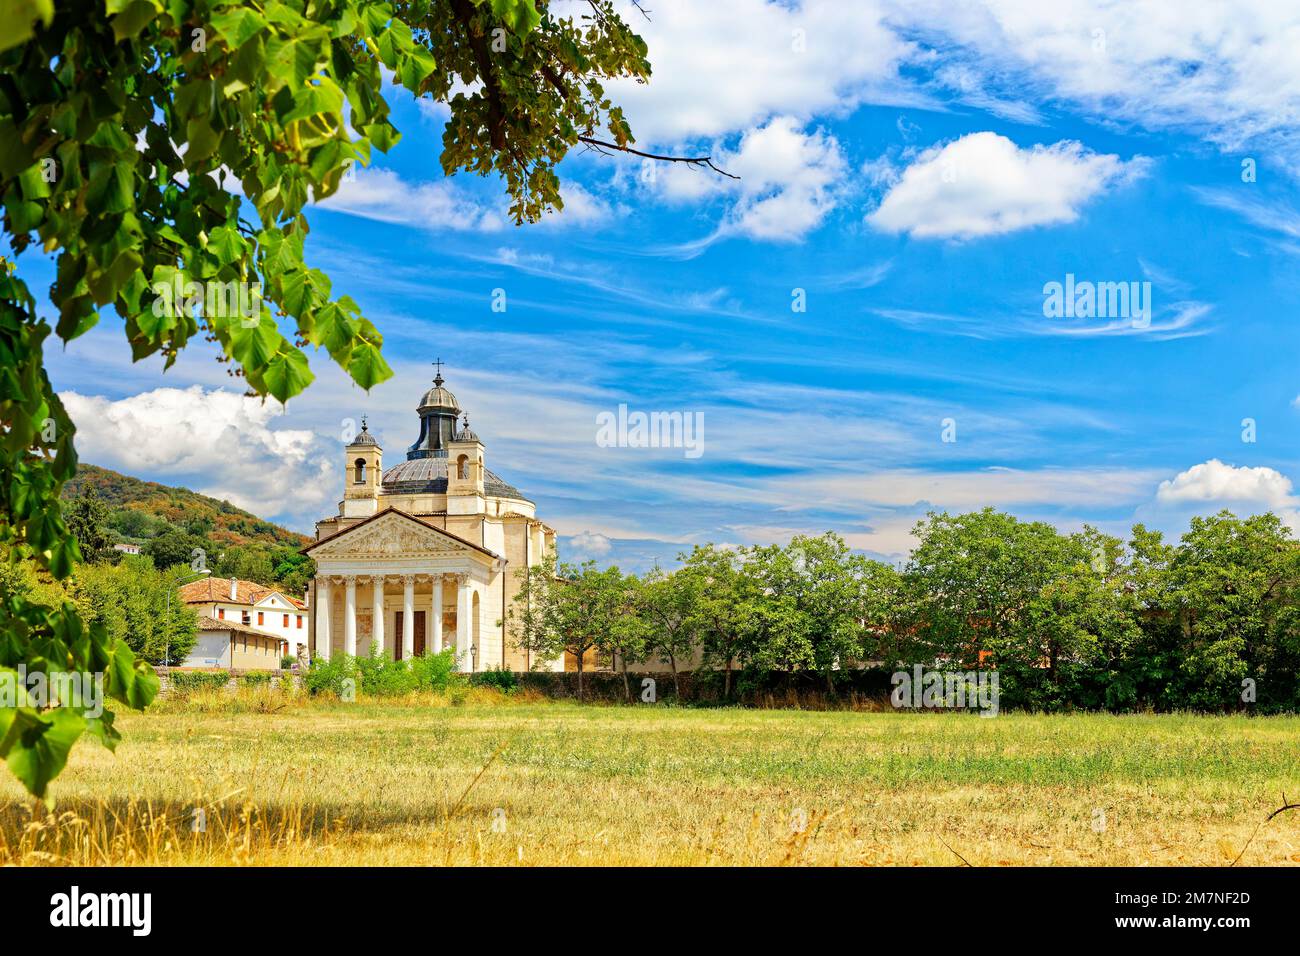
(429,476)
(439,397)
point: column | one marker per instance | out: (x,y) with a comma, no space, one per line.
(350,617)
(323,618)
(408,615)
(462,623)
(377,629)
(436,624)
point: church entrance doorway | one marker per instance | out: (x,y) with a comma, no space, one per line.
(417,633)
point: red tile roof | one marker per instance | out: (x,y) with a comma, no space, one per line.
(210,589)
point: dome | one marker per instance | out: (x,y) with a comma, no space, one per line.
(364,438)
(417,476)
(438,397)
(467,434)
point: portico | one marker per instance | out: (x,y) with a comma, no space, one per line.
(395,583)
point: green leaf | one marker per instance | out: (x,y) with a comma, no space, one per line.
(18,19)
(226,244)
(384,136)
(41,744)
(287,374)
(414,67)
(203,139)
(133,683)
(133,18)
(367,367)
(520,16)
(238,26)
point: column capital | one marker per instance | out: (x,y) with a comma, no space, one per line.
(408,580)
(460,577)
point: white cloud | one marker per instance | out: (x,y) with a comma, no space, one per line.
(790,181)
(589,544)
(582,207)
(983,184)
(730,65)
(215,441)
(1226,72)
(1213,481)
(382,195)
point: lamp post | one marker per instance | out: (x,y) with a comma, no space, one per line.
(167,623)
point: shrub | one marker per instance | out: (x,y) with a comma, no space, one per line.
(186,681)
(380,676)
(434,671)
(287,661)
(328,676)
(257,679)
(502,679)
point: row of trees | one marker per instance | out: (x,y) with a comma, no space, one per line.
(132,600)
(1069,620)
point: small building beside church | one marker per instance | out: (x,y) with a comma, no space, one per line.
(244,624)
(427,554)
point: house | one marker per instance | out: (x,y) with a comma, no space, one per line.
(244,624)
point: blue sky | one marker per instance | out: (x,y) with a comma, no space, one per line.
(920,175)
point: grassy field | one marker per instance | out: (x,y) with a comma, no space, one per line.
(508,783)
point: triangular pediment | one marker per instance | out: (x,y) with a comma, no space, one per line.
(394,534)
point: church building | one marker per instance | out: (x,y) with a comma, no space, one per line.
(428,554)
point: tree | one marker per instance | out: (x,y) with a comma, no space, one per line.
(668,604)
(562,609)
(248,562)
(88,522)
(164,151)
(628,634)
(176,546)
(140,606)
(726,607)
(1235,585)
(972,575)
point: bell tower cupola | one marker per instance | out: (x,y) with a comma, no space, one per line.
(363,466)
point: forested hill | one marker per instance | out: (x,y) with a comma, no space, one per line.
(140,510)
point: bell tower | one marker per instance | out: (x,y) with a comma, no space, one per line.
(362,467)
(465,464)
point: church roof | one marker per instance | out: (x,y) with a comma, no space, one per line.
(429,476)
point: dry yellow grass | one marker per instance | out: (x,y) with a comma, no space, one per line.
(385,783)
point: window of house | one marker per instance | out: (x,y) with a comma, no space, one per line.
(300,622)
(221,614)
(286,620)
(246,617)
(261,618)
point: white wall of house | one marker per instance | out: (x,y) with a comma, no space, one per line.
(212,649)
(272,615)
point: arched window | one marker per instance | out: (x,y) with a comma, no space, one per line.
(361,471)
(462,467)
